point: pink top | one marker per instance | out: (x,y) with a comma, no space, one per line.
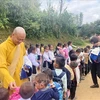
(65,50)
(15,95)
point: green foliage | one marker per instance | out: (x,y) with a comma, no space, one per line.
(37,23)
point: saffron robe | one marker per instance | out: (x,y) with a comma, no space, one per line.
(7,51)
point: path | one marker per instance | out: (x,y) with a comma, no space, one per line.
(84,92)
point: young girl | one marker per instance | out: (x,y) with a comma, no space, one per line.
(46,59)
(33,58)
(51,56)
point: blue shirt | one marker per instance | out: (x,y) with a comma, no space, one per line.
(59,88)
(46,94)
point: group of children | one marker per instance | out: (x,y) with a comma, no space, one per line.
(60,73)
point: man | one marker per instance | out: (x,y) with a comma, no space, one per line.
(95,66)
(11,59)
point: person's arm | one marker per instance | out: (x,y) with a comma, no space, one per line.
(5,77)
(54,93)
(46,57)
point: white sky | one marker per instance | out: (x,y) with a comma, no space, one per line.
(89,8)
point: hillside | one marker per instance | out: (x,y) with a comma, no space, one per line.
(79,42)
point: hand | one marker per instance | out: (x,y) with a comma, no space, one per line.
(12,86)
(65,94)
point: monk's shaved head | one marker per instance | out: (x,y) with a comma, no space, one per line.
(18,35)
(19,30)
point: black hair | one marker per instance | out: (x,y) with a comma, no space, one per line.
(69,42)
(37,45)
(88,47)
(78,50)
(71,51)
(60,60)
(94,39)
(85,50)
(31,49)
(73,57)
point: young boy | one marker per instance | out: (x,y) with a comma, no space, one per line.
(57,85)
(44,92)
(59,63)
(4,94)
(73,65)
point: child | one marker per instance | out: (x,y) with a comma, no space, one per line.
(51,56)
(25,92)
(59,63)
(86,58)
(46,60)
(73,65)
(44,92)
(4,94)
(66,55)
(57,85)
(33,58)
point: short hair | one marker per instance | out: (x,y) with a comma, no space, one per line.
(85,50)
(59,44)
(45,47)
(60,60)
(73,64)
(4,94)
(37,45)
(73,57)
(69,42)
(48,72)
(26,90)
(78,50)
(94,39)
(42,77)
(71,51)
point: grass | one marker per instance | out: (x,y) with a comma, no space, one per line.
(77,41)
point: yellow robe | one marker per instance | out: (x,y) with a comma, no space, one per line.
(7,50)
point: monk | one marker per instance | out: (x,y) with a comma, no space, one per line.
(11,59)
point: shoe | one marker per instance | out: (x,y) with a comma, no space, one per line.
(94,86)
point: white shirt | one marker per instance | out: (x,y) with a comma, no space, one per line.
(33,59)
(46,57)
(70,48)
(24,99)
(51,55)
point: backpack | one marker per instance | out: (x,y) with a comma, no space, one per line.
(58,78)
(95,55)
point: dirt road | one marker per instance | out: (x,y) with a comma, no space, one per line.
(84,92)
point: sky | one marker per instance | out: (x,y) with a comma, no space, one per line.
(89,8)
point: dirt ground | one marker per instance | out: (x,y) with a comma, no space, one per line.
(84,92)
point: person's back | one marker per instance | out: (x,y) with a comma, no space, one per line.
(59,64)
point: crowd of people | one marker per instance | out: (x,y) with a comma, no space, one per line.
(40,72)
